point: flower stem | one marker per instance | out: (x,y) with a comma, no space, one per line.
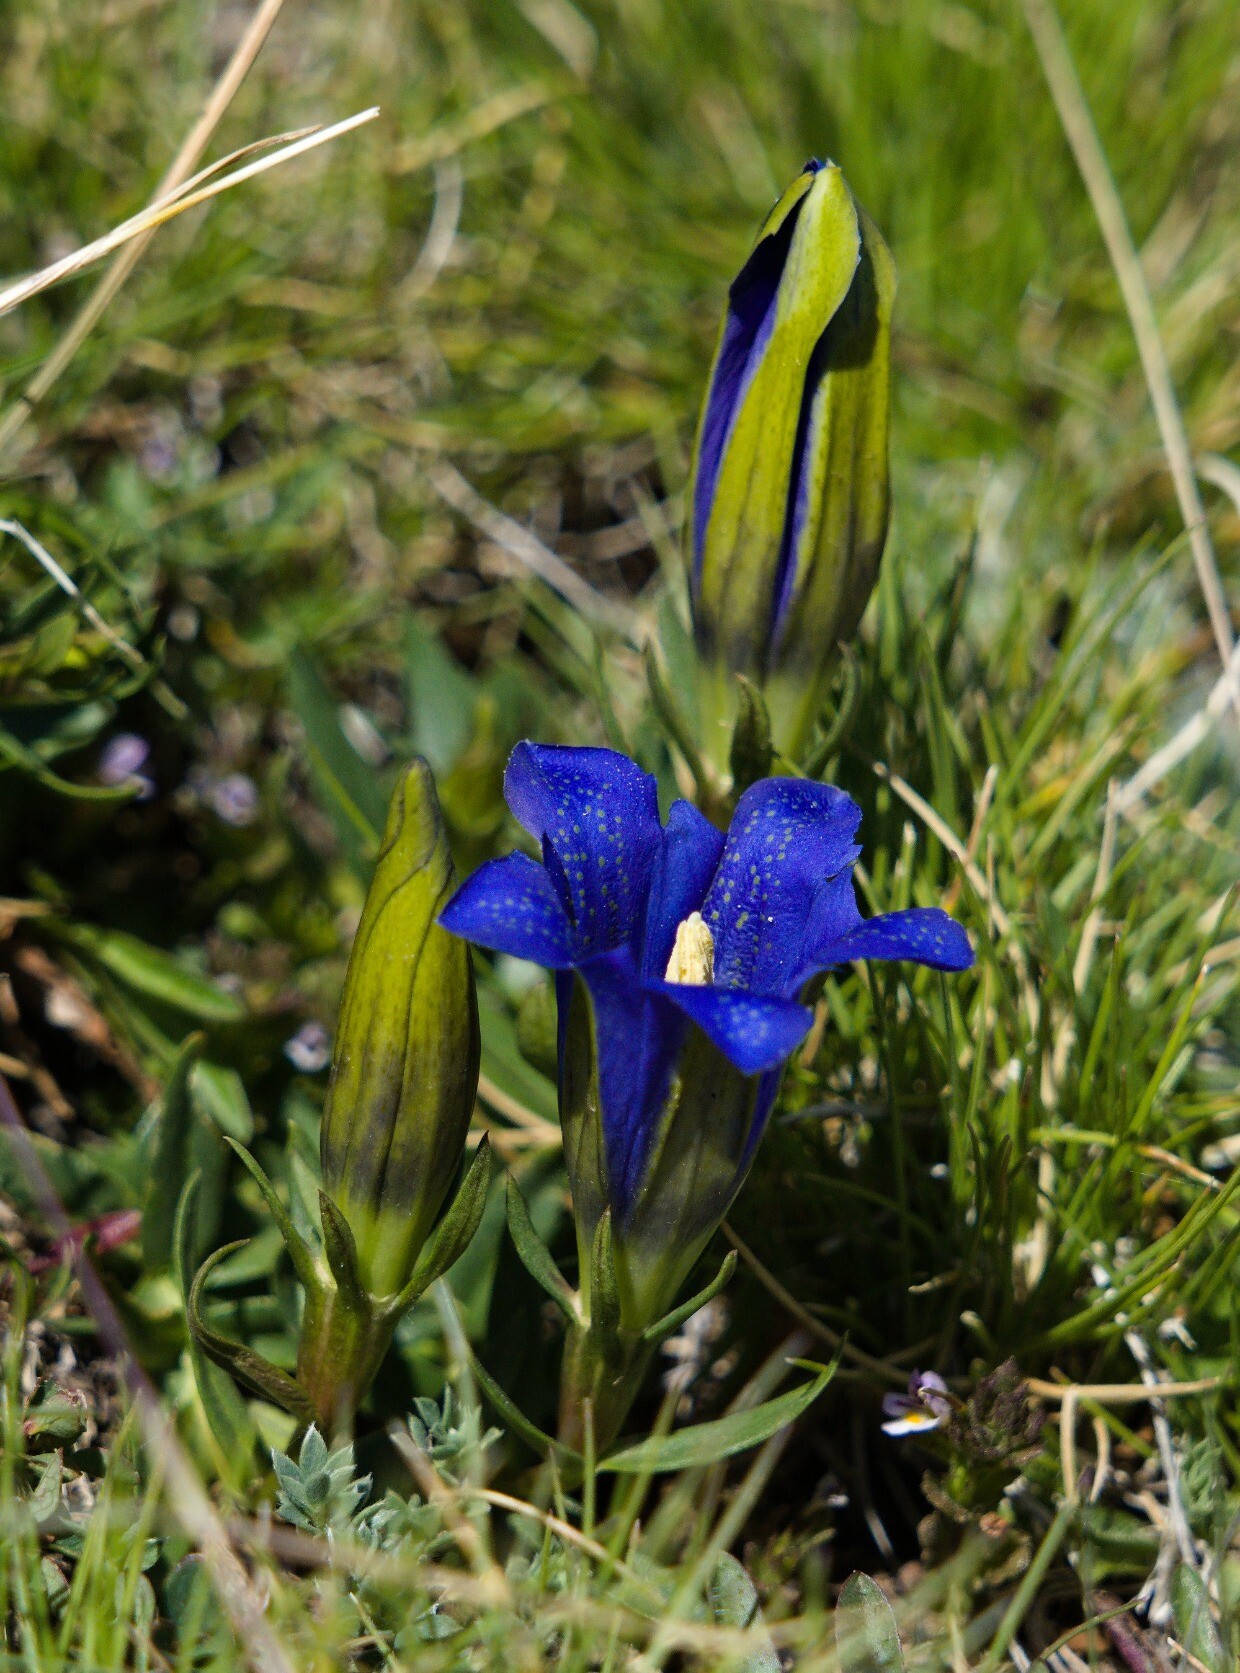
(340,1351)
(603,1374)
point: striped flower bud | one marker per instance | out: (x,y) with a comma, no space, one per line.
(789,496)
(406,1062)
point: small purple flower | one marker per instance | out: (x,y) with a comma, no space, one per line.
(121,762)
(234,799)
(923,1408)
(310,1049)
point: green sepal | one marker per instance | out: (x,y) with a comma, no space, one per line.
(454,1233)
(299,1251)
(671,1322)
(341,1252)
(672,717)
(752,750)
(604,1290)
(708,1443)
(569,1462)
(534,1255)
(249,1368)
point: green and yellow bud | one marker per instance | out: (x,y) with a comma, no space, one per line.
(789,497)
(406,1062)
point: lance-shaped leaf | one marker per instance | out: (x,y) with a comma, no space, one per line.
(671,1322)
(708,1443)
(243,1363)
(223,1407)
(173,1157)
(534,1254)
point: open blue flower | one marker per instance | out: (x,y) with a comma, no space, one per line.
(675,928)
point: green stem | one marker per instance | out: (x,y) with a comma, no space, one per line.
(341,1348)
(608,1375)
(1034,1575)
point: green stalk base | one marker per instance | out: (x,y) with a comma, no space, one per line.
(339,1354)
(606,1377)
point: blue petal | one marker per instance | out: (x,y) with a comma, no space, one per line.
(832,916)
(510,906)
(754,1032)
(688,858)
(638,1036)
(787,837)
(923,934)
(599,813)
(746,332)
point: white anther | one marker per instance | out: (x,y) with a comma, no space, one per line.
(693,956)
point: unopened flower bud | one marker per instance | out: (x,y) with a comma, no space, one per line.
(406,1062)
(789,499)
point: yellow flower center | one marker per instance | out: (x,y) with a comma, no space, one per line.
(693,956)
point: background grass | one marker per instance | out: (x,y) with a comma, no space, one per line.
(517,271)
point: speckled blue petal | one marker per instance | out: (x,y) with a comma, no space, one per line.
(787,837)
(510,906)
(639,1036)
(688,858)
(923,934)
(599,813)
(832,916)
(752,1031)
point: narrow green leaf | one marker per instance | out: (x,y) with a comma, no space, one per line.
(220,1093)
(299,1251)
(503,1061)
(14,753)
(671,1322)
(248,1367)
(865,1629)
(152,973)
(351,791)
(707,1443)
(570,1463)
(833,730)
(170,1163)
(673,719)
(441,697)
(223,1407)
(534,1255)
(44,1500)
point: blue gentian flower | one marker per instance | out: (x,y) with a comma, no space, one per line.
(789,497)
(692,950)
